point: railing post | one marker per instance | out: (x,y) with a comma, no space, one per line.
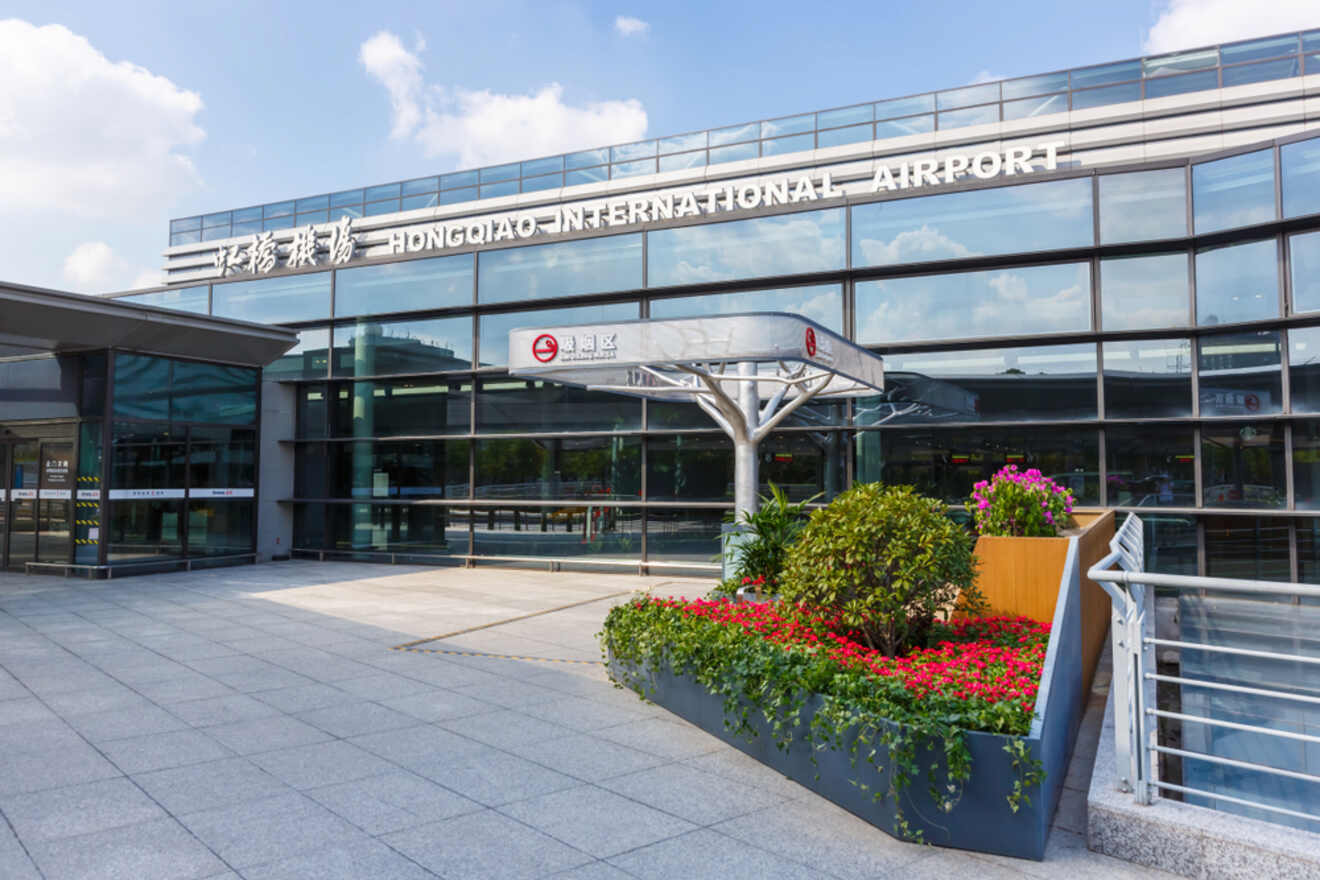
(1122,685)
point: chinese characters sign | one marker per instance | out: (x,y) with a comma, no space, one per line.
(262,253)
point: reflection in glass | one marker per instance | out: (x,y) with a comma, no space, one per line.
(689,467)
(1304,256)
(1151,466)
(566,268)
(222,458)
(683,535)
(494,342)
(396,407)
(436,283)
(183,299)
(147,456)
(273,300)
(508,406)
(947,463)
(1041,383)
(1242,465)
(1239,282)
(308,359)
(401,470)
(1240,374)
(565,530)
(1300,163)
(213,393)
(1148,378)
(786,244)
(1306,464)
(1141,292)
(1304,368)
(144,530)
(559,467)
(1005,220)
(1249,547)
(1236,191)
(357,530)
(1143,205)
(822,303)
(220,527)
(1308,552)
(803,464)
(370,348)
(665,414)
(142,386)
(1105,95)
(996,302)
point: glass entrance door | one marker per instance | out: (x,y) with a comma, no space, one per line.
(23,482)
(54,501)
(4,502)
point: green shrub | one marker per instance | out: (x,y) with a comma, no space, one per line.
(773,527)
(888,560)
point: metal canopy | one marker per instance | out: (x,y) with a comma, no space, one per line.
(33,320)
(748,372)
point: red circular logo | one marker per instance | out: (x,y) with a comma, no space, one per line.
(545,347)
(1251,402)
(811,342)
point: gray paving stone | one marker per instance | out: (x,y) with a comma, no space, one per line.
(382,686)
(209,786)
(492,777)
(701,798)
(675,740)
(14,861)
(158,751)
(321,764)
(419,744)
(703,853)
(41,755)
(281,827)
(596,821)
(78,809)
(161,850)
(392,802)
(592,871)
(509,693)
(193,686)
(506,728)
(730,763)
(587,757)
(585,715)
(360,860)
(122,723)
(266,734)
(24,710)
(306,697)
(222,710)
(439,704)
(356,719)
(101,699)
(485,844)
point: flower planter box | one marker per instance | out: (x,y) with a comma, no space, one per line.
(981,818)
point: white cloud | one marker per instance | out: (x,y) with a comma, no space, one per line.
(914,246)
(92,263)
(481,127)
(985,76)
(631,27)
(1185,24)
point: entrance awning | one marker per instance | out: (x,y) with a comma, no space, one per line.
(33,321)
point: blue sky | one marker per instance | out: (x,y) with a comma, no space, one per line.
(115,122)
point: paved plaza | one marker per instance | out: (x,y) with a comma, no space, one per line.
(258,723)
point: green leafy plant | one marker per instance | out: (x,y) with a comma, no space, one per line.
(887,560)
(1019,504)
(774,526)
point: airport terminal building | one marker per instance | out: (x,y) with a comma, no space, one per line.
(1109,273)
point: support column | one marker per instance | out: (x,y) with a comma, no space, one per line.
(744,447)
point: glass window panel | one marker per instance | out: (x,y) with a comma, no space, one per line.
(374,209)
(214,393)
(1239,282)
(1242,465)
(1300,162)
(435,283)
(632,169)
(186,224)
(904,127)
(563,531)
(1148,378)
(147,456)
(277,209)
(222,458)
(1262,71)
(277,223)
(586,158)
(548,165)
(403,470)
(734,134)
(399,407)
(495,328)
(560,467)
(1009,219)
(586,175)
(454,196)
(248,227)
(272,300)
(1035,85)
(568,268)
(220,527)
(221,219)
(382,192)
(499,172)
(1306,469)
(177,238)
(1151,466)
(683,142)
(967,96)
(144,530)
(1104,74)
(356,531)
(1311,41)
(545,181)
(371,348)
(1304,253)
(1250,547)
(905,106)
(346,211)
(1029,107)
(680,161)
(780,245)
(420,185)
(837,137)
(213,233)
(1010,384)
(627,152)
(1143,205)
(1236,191)
(493,190)
(683,535)
(311,217)
(735,153)
(970,116)
(1240,374)
(845,116)
(458,179)
(182,299)
(1161,65)
(1308,553)
(246,214)
(689,467)
(1138,293)
(791,144)
(674,415)
(517,406)
(822,303)
(1186,82)
(311,413)
(346,198)
(804,464)
(1304,368)
(946,463)
(788,125)
(1312,62)
(413,203)
(1254,50)
(1106,95)
(308,359)
(995,302)
(142,386)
